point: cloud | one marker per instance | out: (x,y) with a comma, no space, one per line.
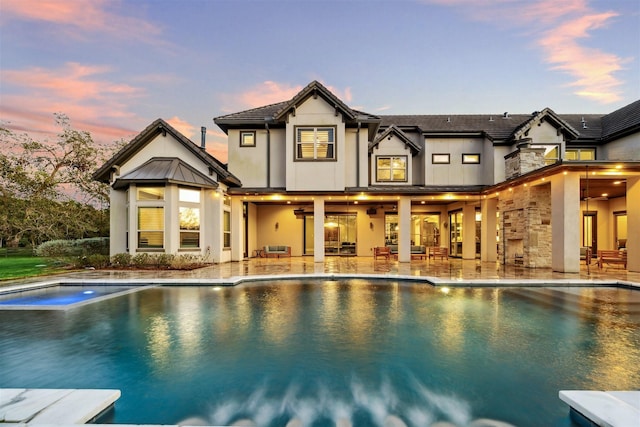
(560,30)
(88,16)
(271,92)
(183,126)
(80,91)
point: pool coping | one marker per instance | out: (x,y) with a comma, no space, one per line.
(237,280)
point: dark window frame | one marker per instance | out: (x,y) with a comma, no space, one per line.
(391,157)
(247,132)
(466,161)
(315,128)
(433,158)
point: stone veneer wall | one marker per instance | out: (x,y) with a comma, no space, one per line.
(525,214)
(523,160)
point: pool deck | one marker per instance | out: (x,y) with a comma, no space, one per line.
(614,409)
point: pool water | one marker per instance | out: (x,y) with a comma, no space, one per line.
(53,297)
(322,351)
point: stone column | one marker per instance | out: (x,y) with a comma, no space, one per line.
(633,224)
(468,232)
(404,229)
(318,229)
(237,231)
(488,247)
(565,233)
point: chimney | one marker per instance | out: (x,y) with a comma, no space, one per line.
(203,138)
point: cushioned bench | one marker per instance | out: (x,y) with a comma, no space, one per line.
(418,252)
(277,251)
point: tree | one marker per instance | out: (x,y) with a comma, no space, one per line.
(46,188)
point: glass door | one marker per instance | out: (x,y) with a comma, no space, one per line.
(455,233)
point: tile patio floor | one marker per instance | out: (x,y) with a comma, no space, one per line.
(454,269)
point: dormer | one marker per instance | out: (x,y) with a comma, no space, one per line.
(391,157)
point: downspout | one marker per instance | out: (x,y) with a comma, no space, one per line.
(358,155)
(266,126)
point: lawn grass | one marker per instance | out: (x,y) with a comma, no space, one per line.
(21,266)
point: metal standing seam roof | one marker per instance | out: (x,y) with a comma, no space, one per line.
(164,170)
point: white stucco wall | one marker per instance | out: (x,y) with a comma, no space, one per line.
(455,173)
(626,148)
(325,175)
(248,163)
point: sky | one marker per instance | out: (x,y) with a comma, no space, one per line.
(114,66)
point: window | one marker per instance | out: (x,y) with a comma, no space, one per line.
(247,139)
(189,218)
(471,158)
(391,168)
(315,143)
(151,227)
(150,193)
(551,153)
(580,154)
(440,159)
(226,230)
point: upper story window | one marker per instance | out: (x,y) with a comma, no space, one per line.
(150,193)
(440,158)
(315,143)
(391,168)
(247,139)
(580,154)
(471,158)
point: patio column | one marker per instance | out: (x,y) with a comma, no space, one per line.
(469,231)
(318,229)
(404,229)
(633,224)
(565,236)
(488,247)
(237,231)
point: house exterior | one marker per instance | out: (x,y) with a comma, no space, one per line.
(328,180)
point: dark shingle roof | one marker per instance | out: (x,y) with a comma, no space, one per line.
(415,148)
(622,121)
(165,170)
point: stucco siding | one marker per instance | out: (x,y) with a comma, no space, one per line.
(626,148)
(454,173)
(248,162)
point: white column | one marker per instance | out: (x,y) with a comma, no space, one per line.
(171,220)
(488,245)
(318,229)
(565,234)
(404,229)
(237,231)
(212,224)
(468,232)
(118,221)
(633,224)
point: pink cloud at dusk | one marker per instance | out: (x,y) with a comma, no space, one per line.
(87,16)
(559,30)
(271,92)
(79,91)
(216,142)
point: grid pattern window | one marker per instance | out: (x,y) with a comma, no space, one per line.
(580,154)
(247,139)
(315,143)
(226,229)
(151,227)
(471,158)
(391,168)
(440,158)
(189,218)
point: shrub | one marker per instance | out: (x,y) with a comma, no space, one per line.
(70,248)
(140,259)
(161,260)
(91,246)
(122,259)
(56,249)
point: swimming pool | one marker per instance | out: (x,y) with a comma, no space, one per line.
(325,350)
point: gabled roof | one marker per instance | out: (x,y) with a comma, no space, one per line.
(621,122)
(103,174)
(393,130)
(315,89)
(275,114)
(165,170)
(545,115)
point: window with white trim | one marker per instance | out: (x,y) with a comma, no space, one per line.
(150,210)
(226,229)
(315,143)
(189,218)
(391,168)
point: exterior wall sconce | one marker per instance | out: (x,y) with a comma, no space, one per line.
(371,225)
(277,226)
